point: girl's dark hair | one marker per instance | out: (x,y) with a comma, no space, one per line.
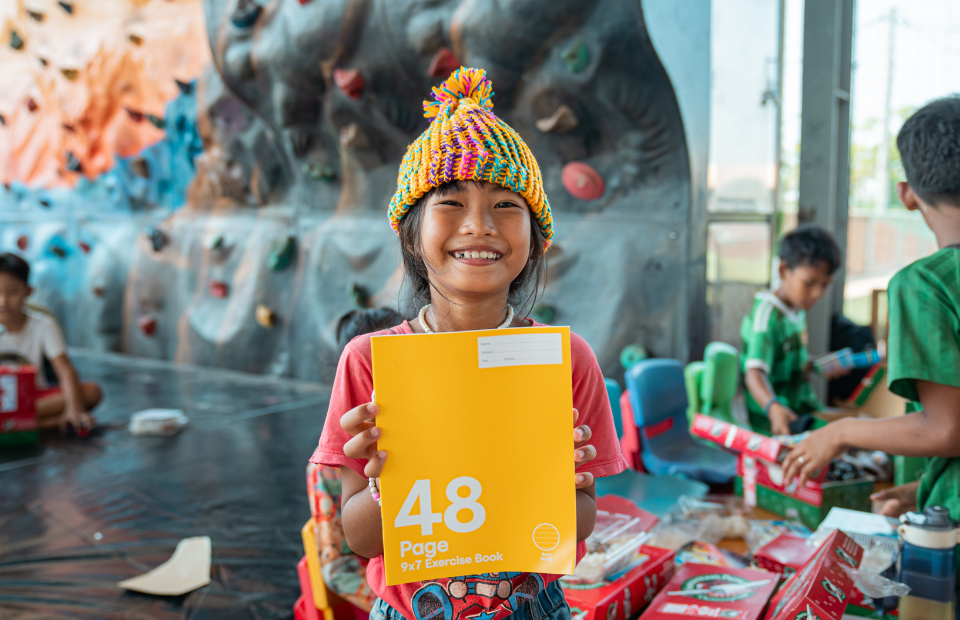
(524,290)
(15,266)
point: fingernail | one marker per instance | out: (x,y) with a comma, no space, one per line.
(579,454)
(382,454)
(578,434)
(375,432)
(581,477)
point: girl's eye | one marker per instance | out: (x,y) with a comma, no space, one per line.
(505,205)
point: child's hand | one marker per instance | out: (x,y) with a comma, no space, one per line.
(76,418)
(360,423)
(897,500)
(583,453)
(780,418)
(814,452)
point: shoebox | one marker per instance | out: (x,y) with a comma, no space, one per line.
(625,596)
(785,554)
(704,591)
(821,589)
(761,483)
(18,408)
(737,439)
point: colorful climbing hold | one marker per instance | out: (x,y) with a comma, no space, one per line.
(3,120)
(16,42)
(84,246)
(281,253)
(582,181)
(577,56)
(543,313)
(99,291)
(44,203)
(73,164)
(561,121)
(303,2)
(350,81)
(32,104)
(135,115)
(23,242)
(266,318)
(147,324)
(216,243)
(140,167)
(66,6)
(70,74)
(58,250)
(632,354)
(36,15)
(158,238)
(43,61)
(246,13)
(156,121)
(319,172)
(68,127)
(443,64)
(219,289)
(185,87)
(135,39)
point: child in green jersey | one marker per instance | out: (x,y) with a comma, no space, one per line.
(924,343)
(773,355)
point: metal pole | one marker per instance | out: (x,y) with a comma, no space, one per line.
(883,155)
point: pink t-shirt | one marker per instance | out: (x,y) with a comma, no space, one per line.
(495,595)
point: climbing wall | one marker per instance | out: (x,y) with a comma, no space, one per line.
(290,142)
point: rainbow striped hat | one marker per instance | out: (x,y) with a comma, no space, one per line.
(467,142)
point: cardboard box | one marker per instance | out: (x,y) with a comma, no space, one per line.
(738,439)
(620,599)
(873,398)
(761,484)
(785,554)
(18,408)
(703,591)
(821,589)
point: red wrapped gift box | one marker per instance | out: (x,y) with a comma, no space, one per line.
(18,407)
(703,591)
(627,595)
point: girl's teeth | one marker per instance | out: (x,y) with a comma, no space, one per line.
(474,254)
(484,255)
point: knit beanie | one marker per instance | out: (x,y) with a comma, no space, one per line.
(467,142)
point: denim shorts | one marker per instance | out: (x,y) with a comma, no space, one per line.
(549,604)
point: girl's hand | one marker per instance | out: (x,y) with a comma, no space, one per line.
(780,418)
(76,417)
(360,423)
(582,453)
(814,452)
(897,500)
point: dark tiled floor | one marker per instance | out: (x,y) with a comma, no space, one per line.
(76,516)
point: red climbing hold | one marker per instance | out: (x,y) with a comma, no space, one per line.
(32,105)
(349,81)
(218,289)
(84,246)
(443,64)
(582,181)
(147,324)
(23,242)
(303,2)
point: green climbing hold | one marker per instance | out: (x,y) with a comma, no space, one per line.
(15,41)
(319,172)
(543,313)
(632,354)
(358,295)
(577,57)
(281,253)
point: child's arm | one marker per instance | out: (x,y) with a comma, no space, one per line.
(934,431)
(74,413)
(759,387)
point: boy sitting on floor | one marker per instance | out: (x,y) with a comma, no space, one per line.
(773,358)
(29,337)
(924,342)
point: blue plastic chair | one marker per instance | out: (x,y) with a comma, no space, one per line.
(659,400)
(613,394)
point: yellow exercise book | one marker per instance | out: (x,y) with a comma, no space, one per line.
(478,427)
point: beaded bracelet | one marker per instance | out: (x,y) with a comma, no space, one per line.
(375,490)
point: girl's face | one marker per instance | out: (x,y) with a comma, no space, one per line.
(476,239)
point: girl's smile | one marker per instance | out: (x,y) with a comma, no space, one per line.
(477,255)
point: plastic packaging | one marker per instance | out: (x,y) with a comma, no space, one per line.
(875,585)
(674,531)
(612,548)
(761,532)
(732,513)
(164,422)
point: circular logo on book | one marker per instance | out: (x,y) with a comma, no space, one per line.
(718,588)
(546,537)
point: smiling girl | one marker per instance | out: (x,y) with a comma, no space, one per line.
(474,224)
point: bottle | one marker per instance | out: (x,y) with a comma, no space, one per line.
(928,564)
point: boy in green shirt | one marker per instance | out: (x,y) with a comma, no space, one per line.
(924,343)
(773,357)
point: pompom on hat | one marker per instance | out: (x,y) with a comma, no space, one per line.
(466,141)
